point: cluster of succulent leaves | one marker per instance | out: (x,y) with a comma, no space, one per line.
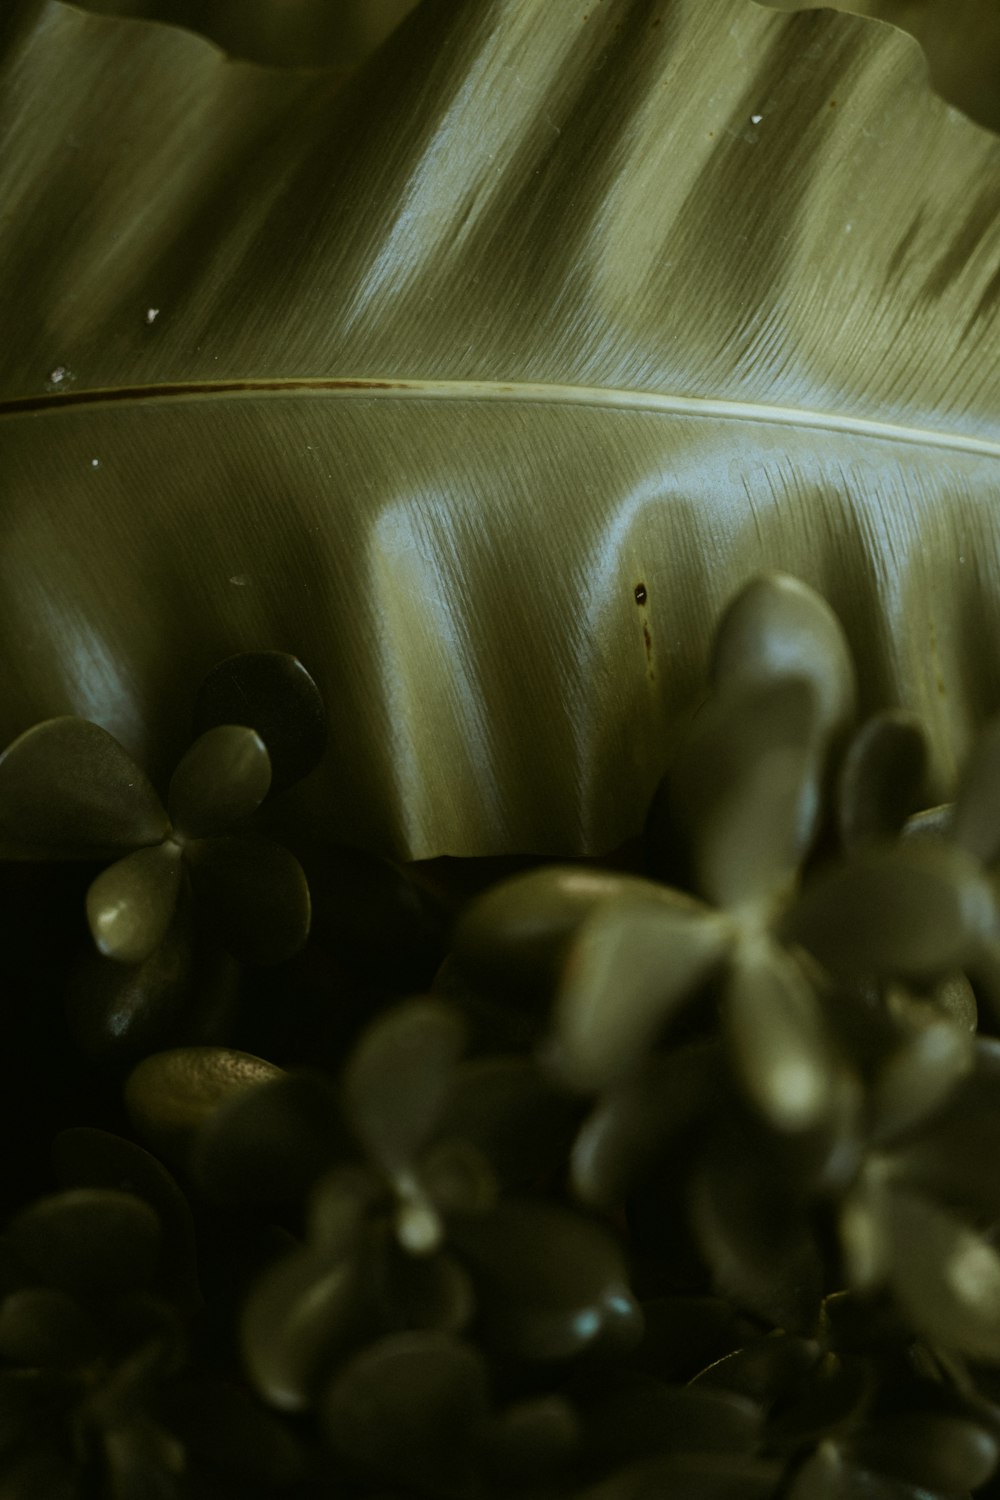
(672,1176)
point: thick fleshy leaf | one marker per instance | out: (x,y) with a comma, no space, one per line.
(223,778)
(944,1274)
(418,1291)
(748,780)
(641,1417)
(702,1476)
(272,693)
(88,1240)
(68,787)
(918,1079)
(883,778)
(506,1107)
(300,1318)
(225,1427)
(132,903)
(780,1048)
(84,1157)
(532,1443)
(398,1079)
(268,1145)
(915,909)
(252,897)
(629,970)
(409,1410)
(170,1095)
(45,1327)
(635,1123)
(779,628)
(338,414)
(186,993)
(755,1233)
(547,1280)
(933,1449)
(514,935)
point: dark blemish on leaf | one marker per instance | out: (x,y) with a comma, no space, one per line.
(640,593)
(833,104)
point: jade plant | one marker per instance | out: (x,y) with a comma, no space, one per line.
(549,1049)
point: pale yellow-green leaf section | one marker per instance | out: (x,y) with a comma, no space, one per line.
(420,377)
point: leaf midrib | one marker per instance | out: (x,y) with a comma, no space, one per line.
(510,391)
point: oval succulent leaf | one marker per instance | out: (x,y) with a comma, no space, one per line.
(88,1240)
(398,1079)
(777,628)
(252,896)
(883,778)
(628,971)
(429,1390)
(936,1450)
(520,926)
(635,1123)
(131,904)
(68,787)
(46,1327)
(272,693)
(84,1157)
(547,1280)
(919,1078)
(170,1095)
(301,1316)
(223,778)
(749,782)
(916,909)
(778,1043)
(944,1274)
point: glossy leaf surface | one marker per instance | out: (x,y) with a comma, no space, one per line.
(223,778)
(453,381)
(131,904)
(67,786)
(171,1094)
(274,694)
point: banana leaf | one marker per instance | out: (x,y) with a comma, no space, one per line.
(479,380)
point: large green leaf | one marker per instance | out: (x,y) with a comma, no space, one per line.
(419,378)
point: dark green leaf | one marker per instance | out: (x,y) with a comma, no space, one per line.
(170,1095)
(643,1417)
(90,1158)
(776,628)
(515,933)
(628,970)
(302,1315)
(223,777)
(252,896)
(418,1291)
(933,1449)
(43,1326)
(916,909)
(185,992)
(699,1476)
(547,1280)
(747,782)
(271,692)
(779,1046)
(397,1082)
(507,1109)
(88,1240)
(755,1234)
(409,1409)
(268,1145)
(944,1274)
(532,1443)
(633,1124)
(131,904)
(67,786)
(919,1077)
(883,777)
